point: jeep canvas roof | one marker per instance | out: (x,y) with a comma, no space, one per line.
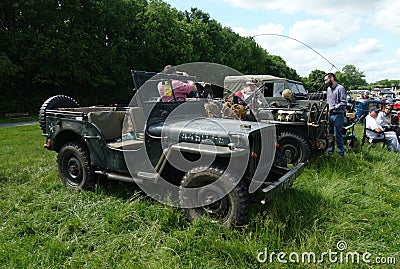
(233,84)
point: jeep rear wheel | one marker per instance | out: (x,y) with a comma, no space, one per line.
(230,210)
(294,148)
(74,166)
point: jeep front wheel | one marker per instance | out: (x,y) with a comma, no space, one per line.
(230,210)
(74,166)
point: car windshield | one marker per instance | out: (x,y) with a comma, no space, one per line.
(257,97)
(297,88)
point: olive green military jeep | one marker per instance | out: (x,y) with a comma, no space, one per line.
(173,151)
(301,123)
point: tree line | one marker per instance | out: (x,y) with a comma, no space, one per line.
(86,49)
(350,77)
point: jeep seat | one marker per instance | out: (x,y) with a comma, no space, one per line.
(138,119)
(108,122)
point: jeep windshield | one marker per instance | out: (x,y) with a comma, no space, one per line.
(271,86)
(297,88)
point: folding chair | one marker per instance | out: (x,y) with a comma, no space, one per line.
(371,141)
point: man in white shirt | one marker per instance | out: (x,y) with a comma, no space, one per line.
(371,123)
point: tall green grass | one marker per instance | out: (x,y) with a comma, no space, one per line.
(44,225)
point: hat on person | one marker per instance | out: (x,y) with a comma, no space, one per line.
(374,108)
(239,94)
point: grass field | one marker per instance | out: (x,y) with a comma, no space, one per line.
(354,202)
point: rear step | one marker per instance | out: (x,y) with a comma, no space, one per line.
(119,177)
(149,177)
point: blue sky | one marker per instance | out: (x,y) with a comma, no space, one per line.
(364,33)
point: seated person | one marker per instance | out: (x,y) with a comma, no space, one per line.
(250,88)
(175,90)
(383,118)
(371,123)
(238,98)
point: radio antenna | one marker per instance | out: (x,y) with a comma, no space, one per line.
(308,46)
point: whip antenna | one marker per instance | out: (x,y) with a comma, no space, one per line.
(308,46)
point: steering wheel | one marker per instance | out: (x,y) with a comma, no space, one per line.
(313,113)
(323,116)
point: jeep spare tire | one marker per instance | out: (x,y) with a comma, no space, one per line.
(54,102)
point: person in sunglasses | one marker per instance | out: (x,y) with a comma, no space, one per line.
(383,118)
(378,131)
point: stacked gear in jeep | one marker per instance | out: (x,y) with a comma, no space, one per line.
(232,110)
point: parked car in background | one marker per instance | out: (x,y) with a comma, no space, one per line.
(301,123)
(362,106)
(388,95)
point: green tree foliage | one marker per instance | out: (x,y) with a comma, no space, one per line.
(85,49)
(80,48)
(386,83)
(315,81)
(167,39)
(351,77)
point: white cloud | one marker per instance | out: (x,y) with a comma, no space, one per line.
(322,33)
(306,48)
(388,17)
(376,71)
(333,32)
(363,49)
(397,53)
(297,56)
(304,60)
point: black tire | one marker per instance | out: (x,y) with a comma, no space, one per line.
(74,166)
(56,101)
(231,210)
(294,148)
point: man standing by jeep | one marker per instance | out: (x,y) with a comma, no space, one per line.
(336,99)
